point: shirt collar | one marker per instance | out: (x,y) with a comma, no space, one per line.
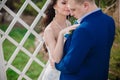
(80,19)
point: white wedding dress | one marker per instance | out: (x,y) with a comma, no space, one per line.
(50,73)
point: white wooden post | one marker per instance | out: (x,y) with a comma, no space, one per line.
(2,63)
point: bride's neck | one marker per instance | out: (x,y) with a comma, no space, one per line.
(60,19)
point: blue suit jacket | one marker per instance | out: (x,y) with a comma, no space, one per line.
(87,50)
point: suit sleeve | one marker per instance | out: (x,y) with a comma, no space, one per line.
(80,46)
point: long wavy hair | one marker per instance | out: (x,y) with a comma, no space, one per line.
(49,14)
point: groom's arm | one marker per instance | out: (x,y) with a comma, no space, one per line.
(79,47)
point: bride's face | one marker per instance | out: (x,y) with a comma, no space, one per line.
(61,7)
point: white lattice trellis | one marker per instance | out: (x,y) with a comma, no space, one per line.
(4,65)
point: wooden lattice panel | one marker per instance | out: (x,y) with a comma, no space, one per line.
(5,65)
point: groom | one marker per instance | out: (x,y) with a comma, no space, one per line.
(87,51)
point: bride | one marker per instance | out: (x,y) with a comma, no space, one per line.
(56,26)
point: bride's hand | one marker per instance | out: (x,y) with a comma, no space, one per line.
(69,29)
(52,63)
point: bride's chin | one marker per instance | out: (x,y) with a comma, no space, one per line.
(67,14)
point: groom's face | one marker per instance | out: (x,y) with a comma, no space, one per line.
(77,10)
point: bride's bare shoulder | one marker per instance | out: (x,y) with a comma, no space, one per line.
(48,30)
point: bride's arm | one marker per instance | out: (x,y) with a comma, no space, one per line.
(58,52)
(49,41)
(56,47)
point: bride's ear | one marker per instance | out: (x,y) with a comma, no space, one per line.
(55,6)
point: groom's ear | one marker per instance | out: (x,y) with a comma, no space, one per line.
(86,5)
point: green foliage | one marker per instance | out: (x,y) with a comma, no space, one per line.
(29,9)
(109,2)
(11,75)
(115,58)
(34,71)
(104,3)
(40,4)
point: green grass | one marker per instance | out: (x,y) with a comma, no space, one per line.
(21,59)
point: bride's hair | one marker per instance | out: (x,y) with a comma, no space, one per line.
(49,14)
